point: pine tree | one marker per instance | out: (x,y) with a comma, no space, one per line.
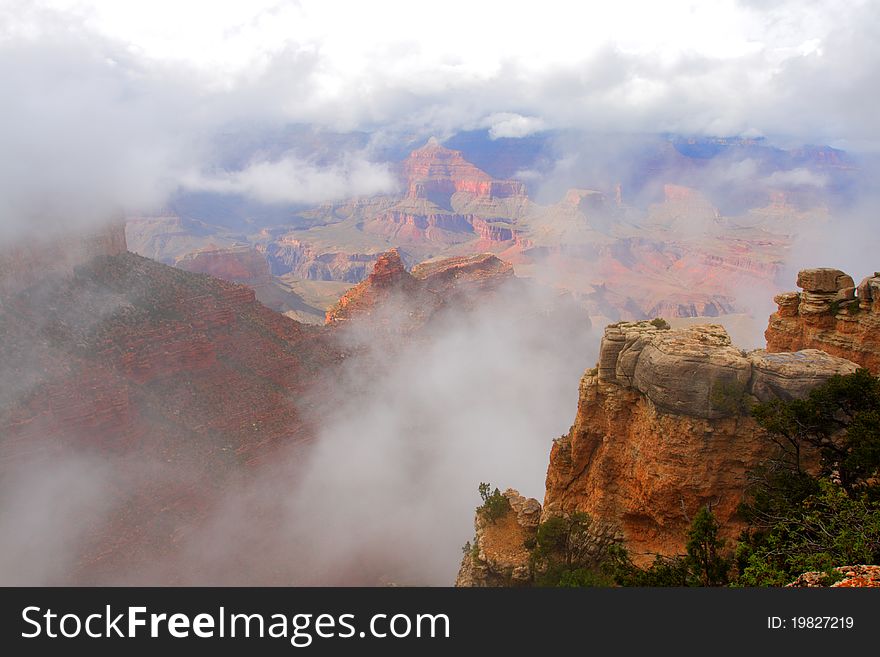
(704,550)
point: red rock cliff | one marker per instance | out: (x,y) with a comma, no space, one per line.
(434,172)
(429,287)
(831,313)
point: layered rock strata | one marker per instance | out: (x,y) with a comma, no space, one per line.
(831,313)
(420,293)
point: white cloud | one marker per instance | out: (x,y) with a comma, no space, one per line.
(293,180)
(516,126)
(110,104)
(796,178)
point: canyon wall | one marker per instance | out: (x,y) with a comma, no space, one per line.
(661,430)
(241,264)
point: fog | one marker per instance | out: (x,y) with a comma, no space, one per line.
(406,431)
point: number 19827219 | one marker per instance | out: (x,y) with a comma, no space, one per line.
(810,623)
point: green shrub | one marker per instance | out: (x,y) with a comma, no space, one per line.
(572,550)
(660,323)
(825,530)
(728,397)
(494,506)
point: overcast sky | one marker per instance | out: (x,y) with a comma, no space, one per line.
(125,96)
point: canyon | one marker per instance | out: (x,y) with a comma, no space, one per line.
(654,245)
(188,383)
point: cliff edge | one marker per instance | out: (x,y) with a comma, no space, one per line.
(662,429)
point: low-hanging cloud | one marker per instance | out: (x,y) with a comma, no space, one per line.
(406,430)
(93,124)
(513,126)
(797,178)
(295,180)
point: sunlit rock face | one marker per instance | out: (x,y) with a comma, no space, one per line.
(662,429)
(429,287)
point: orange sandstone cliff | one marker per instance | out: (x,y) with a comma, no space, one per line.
(661,430)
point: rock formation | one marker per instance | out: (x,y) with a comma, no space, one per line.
(831,314)
(241,264)
(435,173)
(662,430)
(448,201)
(860,576)
(430,286)
(498,556)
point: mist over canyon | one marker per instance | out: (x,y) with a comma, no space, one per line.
(278,290)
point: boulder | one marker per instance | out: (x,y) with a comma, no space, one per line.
(823,279)
(788,303)
(694,371)
(868,291)
(618,337)
(609,348)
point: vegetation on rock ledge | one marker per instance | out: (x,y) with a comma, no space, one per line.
(802,522)
(495,505)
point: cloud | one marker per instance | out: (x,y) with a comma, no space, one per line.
(105,111)
(406,434)
(515,126)
(294,180)
(797,178)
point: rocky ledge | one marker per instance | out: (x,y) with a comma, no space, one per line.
(696,371)
(498,556)
(851,577)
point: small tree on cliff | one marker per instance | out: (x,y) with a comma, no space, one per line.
(704,551)
(704,563)
(495,505)
(840,419)
(572,550)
